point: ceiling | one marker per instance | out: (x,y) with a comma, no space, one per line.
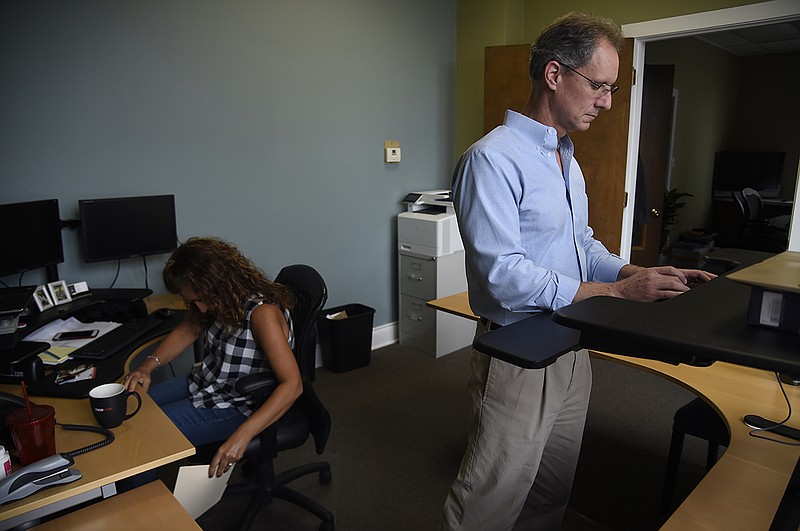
(757,40)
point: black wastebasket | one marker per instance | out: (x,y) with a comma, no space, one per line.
(346,343)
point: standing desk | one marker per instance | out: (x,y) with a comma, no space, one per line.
(144,442)
(745,487)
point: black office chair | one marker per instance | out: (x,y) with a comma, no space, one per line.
(756,232)
(307,417)
(699,419)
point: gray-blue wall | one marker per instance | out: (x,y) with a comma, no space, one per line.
(265,119)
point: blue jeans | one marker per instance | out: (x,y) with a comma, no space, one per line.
(199,425)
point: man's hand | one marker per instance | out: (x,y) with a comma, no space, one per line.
(646,284)
(656,283)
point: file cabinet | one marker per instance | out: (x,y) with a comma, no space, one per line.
(423,278)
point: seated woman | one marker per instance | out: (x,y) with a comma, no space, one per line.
(247,327)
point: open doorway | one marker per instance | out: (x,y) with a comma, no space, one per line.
(680,27)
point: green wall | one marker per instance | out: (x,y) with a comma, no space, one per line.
(484,23)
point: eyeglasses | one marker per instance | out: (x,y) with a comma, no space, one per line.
(601,89)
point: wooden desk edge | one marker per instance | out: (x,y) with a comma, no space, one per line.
(457,304)
(147,505)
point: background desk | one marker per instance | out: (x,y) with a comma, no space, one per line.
(151,506)
(146,441)
(744,488)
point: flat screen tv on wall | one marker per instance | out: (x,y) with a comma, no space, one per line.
(737,170)
(127,227)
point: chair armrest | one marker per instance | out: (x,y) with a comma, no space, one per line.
(263,382)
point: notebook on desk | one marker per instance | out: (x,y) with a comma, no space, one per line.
(780,272)
(775,292)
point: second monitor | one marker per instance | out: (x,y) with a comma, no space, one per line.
(126,227)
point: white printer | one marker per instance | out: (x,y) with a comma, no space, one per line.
(431,266)
(429,226)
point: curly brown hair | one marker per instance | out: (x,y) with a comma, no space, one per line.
(223,278)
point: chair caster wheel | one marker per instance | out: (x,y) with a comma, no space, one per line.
(325,478)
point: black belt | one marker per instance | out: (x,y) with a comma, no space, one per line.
(490,325)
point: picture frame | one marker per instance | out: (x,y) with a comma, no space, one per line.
(59,292)
(42,297)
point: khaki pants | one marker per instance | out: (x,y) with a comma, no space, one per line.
(525,435)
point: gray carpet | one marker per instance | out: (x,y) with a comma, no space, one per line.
(399,430)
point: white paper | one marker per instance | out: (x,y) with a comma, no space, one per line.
(196,491)
(47,332)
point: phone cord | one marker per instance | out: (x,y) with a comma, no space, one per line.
(77,427)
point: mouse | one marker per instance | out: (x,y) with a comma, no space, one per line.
(164,313)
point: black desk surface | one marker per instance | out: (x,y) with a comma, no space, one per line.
(101,305)
(706,324)
(108,370)
(532,343)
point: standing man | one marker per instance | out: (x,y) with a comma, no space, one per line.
(522,210)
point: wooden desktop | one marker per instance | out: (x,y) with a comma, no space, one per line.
(144,442)
(745,487)
(151,506)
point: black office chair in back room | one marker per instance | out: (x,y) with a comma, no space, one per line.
(755,230)
(307,417)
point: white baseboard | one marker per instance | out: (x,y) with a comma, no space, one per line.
(382,336)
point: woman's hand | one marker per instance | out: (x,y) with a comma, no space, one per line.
(271,331)
(141,376)
(178,340)
(230,452)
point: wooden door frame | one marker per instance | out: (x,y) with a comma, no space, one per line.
(686,26)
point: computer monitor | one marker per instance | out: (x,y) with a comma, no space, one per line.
(760,170)
(30,236)
(127,227)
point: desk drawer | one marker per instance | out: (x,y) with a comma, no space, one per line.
(417,324)
(418,277)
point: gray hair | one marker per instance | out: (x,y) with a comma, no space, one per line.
(571,40)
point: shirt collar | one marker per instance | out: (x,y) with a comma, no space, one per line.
(538,134)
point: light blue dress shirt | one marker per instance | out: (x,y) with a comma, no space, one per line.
(524,226)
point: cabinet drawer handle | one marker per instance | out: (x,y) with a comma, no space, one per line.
(412,276)
(414,317)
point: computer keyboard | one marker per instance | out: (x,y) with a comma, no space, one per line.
(117,339)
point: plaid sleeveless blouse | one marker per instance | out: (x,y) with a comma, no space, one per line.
(230,354)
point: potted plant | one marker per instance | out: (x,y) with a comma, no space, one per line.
(672,206)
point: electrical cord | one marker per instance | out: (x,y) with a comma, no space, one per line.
(755,432)
(94,429)
(116,276)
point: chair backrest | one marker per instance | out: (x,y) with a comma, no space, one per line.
(754,206)
(311,294)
